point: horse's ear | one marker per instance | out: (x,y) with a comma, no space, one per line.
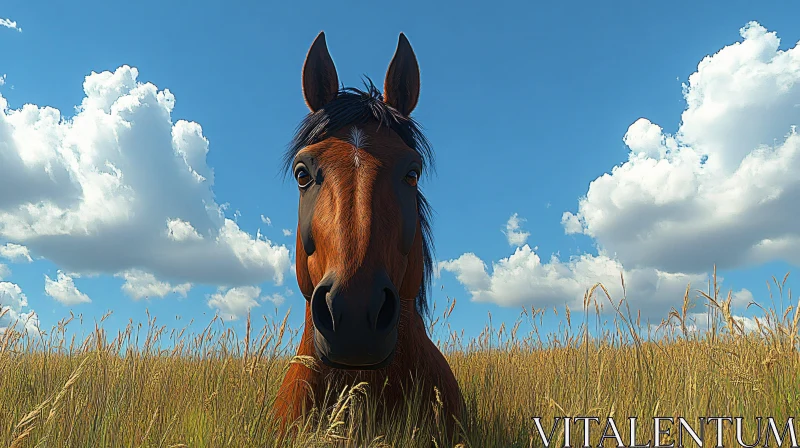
(320,81)
(401,88)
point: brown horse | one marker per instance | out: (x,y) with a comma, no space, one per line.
(364,245)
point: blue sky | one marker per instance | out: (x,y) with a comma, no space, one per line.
(529,109)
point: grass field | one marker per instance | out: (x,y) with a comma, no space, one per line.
(215,388)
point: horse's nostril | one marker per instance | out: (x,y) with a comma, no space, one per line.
(386,315)
(320,312)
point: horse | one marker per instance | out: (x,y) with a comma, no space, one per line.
(363,241)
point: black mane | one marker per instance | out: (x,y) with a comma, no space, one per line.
(354,106)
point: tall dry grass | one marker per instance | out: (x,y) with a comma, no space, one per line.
(147,386)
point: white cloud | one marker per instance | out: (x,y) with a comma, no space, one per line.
(3,79)
(571,223)
(93,193)
(266,220)
(8,23)
(179,230)
(523,279)
(287,232)
(724,188)
(740,299)
(13,303)
(748,323)
(235,302)
(63,290)
(5,272)
(16,253)
(140,284)
(514,233)
(276,299)
(700,322)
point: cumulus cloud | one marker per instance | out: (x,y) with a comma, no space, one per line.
(524,279)
(723,189)
(266,220)
(14,312)
(514,233)
(287,232)
(742,298)
(748,323)
(16,253)
(63,290)
(571,223)
(8,23)
(235,302)
(122,188)
(701,322)
(179,230)
(140,284)
(276,299)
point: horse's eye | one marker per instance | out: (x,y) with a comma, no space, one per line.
(412,177)
(303,178)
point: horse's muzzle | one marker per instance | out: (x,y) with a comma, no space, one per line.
(355,327)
